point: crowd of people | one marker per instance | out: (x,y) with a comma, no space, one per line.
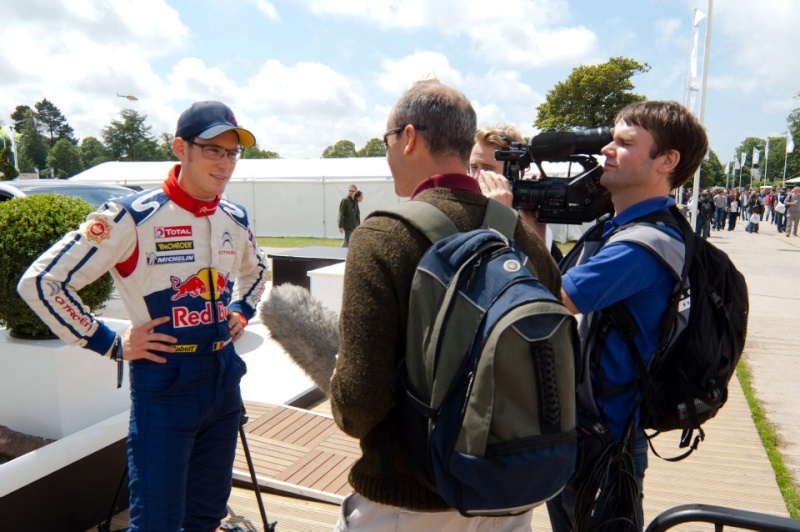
(720,208)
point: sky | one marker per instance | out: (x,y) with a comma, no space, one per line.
(304,74)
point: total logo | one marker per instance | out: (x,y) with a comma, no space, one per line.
(201,285)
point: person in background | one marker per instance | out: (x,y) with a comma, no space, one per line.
(349,215)
(429,135)
(705,214)
(733,211)
(754,212)
(780,217)
(190,274)
(792,203)
(720,205)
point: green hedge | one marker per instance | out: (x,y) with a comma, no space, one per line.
(28,227)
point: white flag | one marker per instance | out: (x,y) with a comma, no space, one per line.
(756,155)
(692,86)
(736,165)
(789,143)
(698,17)
(744,158)
(727,168)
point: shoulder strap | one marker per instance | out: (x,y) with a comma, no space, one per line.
(435,225)
(423,216)
(501,218)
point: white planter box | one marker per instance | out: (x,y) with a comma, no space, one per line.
(327,285)
(51,390)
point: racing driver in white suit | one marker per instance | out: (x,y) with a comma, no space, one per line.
(190,275)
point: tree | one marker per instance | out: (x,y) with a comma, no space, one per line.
(32,146)
(792,160)
(373,148)
(254,152)
(6,168)
(746,147)
(129,139)
(18,115)
(92,152)
(164,150)
(65,159)
(343,148)
(591,96)
(52,123)
(712,173)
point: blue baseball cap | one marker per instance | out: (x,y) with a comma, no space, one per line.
(206,120)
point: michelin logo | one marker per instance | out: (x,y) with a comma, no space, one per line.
(170,259)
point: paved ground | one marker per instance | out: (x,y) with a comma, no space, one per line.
(771,264)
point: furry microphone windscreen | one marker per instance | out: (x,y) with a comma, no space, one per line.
(306,329)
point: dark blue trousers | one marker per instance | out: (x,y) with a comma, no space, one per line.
(182,440)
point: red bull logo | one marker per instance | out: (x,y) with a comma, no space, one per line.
(201,284)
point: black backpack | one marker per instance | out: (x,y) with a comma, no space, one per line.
(707,208)
(686,382)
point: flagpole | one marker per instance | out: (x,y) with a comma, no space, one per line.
(741,165)
(752,160)
(766,162)
(785,158)
(703,85)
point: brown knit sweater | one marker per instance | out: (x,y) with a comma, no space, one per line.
(380,266)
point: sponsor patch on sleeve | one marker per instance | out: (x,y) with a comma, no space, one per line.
(98,230)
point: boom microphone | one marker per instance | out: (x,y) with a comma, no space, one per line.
(306,329)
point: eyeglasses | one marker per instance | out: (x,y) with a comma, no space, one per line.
(397,130)
(212,151)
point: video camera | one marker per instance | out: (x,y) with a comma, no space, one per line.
(570,200)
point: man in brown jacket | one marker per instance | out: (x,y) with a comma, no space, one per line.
(430,133)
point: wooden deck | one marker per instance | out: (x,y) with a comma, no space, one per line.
(302,459)
(297,451)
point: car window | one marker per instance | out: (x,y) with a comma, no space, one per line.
(96,196)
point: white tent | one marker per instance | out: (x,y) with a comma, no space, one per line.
(283,197)
(794,180)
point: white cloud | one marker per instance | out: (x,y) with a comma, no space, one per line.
(267,8)
(397,74)
(519,33)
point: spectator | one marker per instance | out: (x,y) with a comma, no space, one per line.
(430,132)
(720,204)
(754,209)
(705,214)
(733,211)
(792,203)
(349,215)
(780,217)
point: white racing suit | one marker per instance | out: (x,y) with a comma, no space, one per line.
(169,255)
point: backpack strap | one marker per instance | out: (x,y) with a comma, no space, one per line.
(501,218)
(426,218)
(435,225)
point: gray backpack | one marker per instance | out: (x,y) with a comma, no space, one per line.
(487,386)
